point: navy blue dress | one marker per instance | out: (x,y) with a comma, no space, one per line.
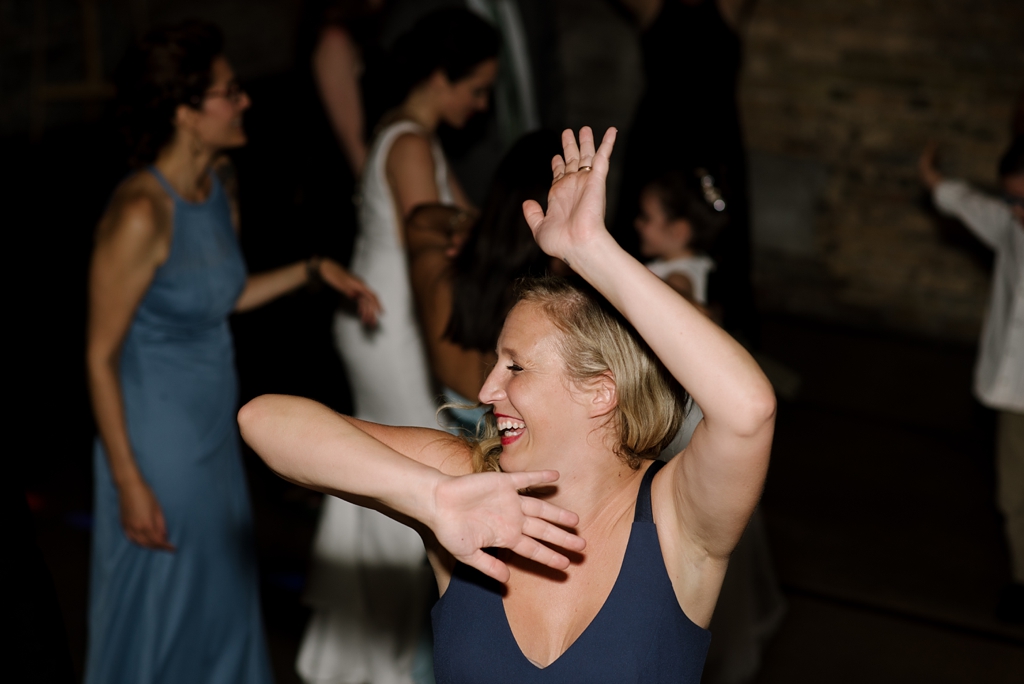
(639,635)
(192,615)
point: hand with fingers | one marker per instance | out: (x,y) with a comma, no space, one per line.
(576,201)
(486,510)
(367,304)
(142,518)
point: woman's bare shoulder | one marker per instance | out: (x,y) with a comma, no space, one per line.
(139,209)
(410,146)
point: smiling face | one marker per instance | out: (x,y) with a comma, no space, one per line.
(465,97)
(534,406)
(217,121)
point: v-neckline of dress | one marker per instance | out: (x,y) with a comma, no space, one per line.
(615,585)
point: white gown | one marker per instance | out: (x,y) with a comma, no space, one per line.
(369,581)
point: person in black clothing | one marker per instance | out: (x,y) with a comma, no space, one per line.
(687,120)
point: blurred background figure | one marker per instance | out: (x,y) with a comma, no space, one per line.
(462,299)
(676,226)
(528,90)
(173,570)
(691,64)
(369,584)
(999,372)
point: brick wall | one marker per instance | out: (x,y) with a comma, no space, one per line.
(851,90)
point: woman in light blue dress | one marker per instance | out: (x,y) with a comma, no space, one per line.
(174,591)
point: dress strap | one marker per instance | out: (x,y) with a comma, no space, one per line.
(644,512)
(164,183)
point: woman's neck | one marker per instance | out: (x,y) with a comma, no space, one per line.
(419,106)
(599,493)
(187,168)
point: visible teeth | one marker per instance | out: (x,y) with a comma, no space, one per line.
(510,425)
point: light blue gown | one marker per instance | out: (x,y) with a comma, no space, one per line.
(192,615)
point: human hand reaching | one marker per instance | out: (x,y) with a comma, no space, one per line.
(576,201)
(486,510)
(141,516)
(367,304)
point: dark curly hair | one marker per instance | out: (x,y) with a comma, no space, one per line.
(169,67)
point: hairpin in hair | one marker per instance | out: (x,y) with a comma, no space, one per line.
(712,195)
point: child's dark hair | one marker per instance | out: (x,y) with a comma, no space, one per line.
(1012,161)
(681,198)
(169,67)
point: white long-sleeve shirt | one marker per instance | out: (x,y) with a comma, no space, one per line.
(999,371)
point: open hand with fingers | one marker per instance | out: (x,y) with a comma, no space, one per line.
(486,510)
(576,201)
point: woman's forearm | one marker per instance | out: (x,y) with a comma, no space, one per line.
(310,445)
(108,409)
(262,288)
(723,378)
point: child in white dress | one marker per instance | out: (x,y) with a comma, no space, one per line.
(676,224)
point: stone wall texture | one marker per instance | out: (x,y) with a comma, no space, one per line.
(855,88)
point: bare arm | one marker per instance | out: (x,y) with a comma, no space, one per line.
(987,217)
(410,173)
(430,233)
(336,72)
(401,471)
(132,241)
(717,480)
(263,288)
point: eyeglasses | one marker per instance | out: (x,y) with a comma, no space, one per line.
(233,93)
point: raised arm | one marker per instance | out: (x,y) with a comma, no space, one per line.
(716,482)
(411,474)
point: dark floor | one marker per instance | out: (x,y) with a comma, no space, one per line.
(878,504)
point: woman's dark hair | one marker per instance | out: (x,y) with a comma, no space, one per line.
(500,249)
(454,40)
(1012,161)
(169,67)
(681,198)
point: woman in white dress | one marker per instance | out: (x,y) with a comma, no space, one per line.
(369,582)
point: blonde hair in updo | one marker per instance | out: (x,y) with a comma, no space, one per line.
(595,341)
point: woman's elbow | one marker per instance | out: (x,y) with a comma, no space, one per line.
(757,412)
(253,414)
